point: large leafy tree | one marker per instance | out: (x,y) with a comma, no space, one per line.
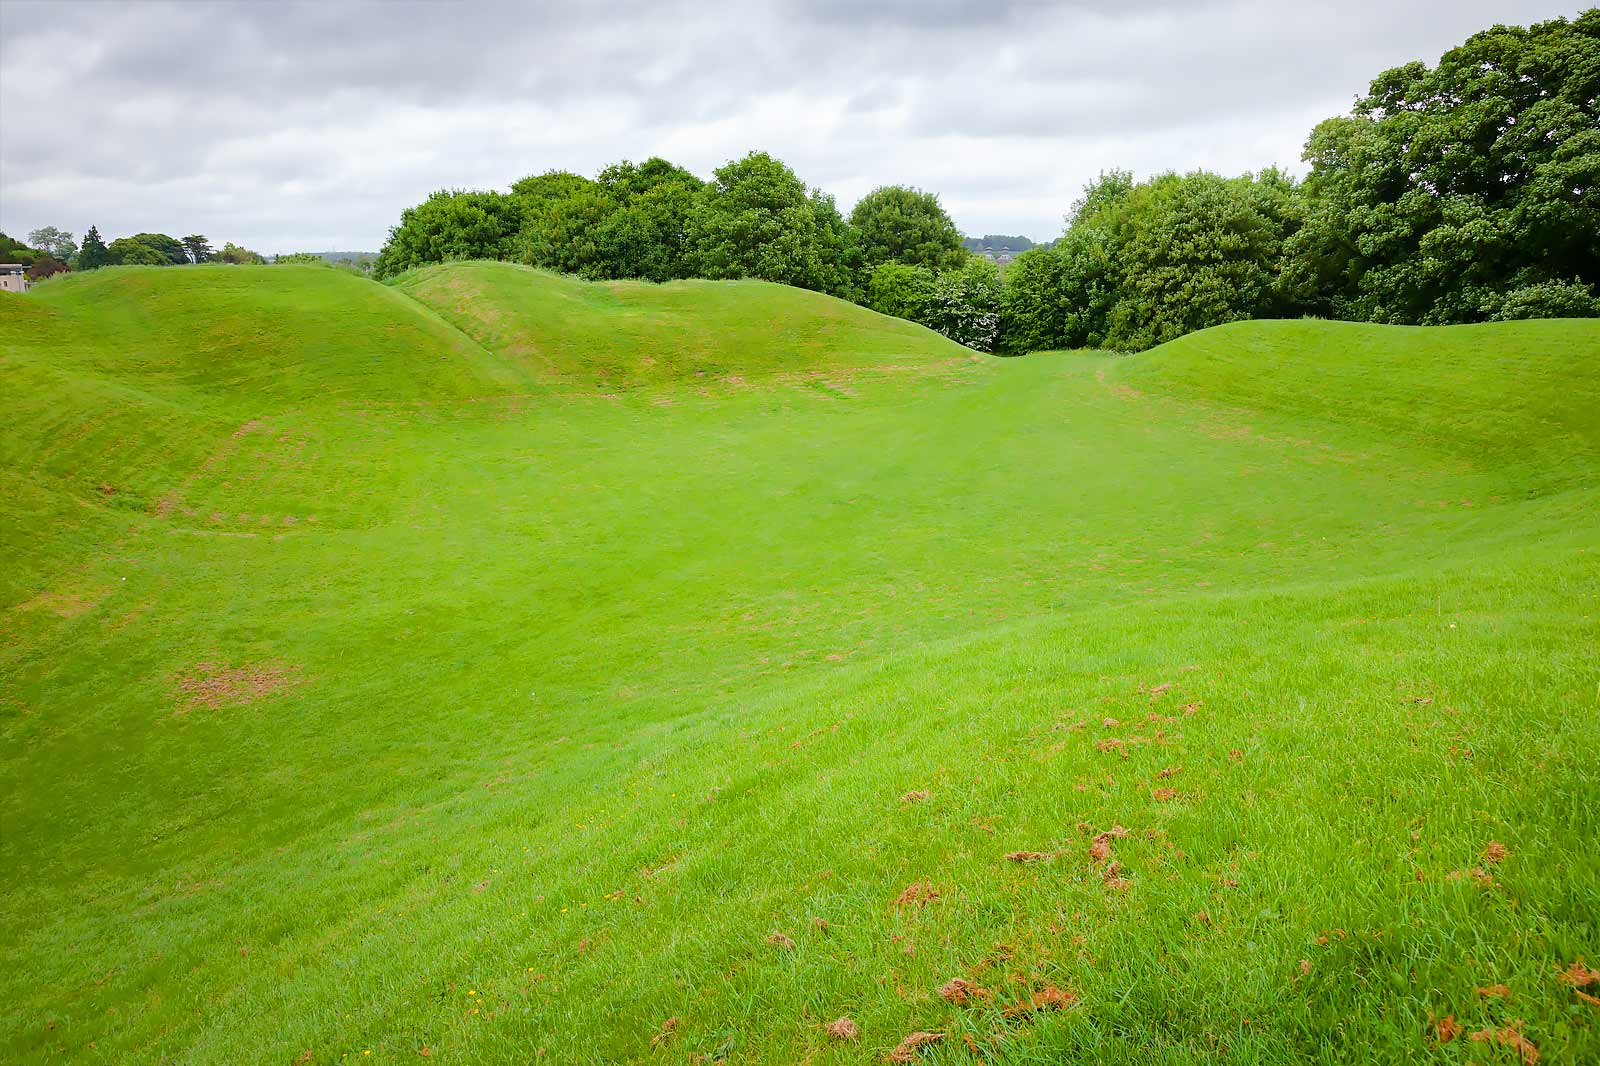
(1467,191)
(198,248)
(451,224)
(646,237)
(239,255)
(170,248)
(559,232)
(1195,251)
(551,185)
(900,289)
(57,242)
(906,225)
(1061,296)
(630,222)
(1143,263)
(757,219)
(147,249)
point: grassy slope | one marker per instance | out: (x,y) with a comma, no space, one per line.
(592,693)
(622,334)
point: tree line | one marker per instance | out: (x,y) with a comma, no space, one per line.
(52,251)
(1464,192)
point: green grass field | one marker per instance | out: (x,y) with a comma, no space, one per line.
(498,668)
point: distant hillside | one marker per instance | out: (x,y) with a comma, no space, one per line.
(362,260)
(997,244)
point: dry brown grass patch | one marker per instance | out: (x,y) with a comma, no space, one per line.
(1578,975)
(844,1029)
(909,1048)
(917,894)
(960,991)
(211,685)
(1509,1036)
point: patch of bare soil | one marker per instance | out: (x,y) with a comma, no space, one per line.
(212,685)
(65,604)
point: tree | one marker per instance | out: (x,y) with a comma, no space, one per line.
(310,258)
(451,224)
(1448,189)
(1035,304)
(551,185)
(14,251)
(58,243)
(45,266)
(1101,198)
(169,248)
(93,254)
(235,254)
(147,249)
(645,235)
(198,248)
(756,219)
(131,251)
(906,225)
(965,305)
(559,230)
(900,289)
(1196,251)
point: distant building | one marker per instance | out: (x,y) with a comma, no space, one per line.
(12,278)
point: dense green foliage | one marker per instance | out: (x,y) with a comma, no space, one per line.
(964,305)
(895,223)
(1144,263)
(14,251)
(496,667)
(147,249)
(451,224)
(900,290)
(1192,252)
(628,223)
(238,255)
(1462,192)
(756,219)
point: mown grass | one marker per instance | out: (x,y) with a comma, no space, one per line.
(566,699)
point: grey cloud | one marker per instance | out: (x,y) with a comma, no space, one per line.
(305,124)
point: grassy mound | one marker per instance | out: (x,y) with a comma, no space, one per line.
(626,333)
(1234,701)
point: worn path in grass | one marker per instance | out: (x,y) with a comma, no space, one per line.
(496,665)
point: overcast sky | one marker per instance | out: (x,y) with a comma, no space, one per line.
(290,127)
